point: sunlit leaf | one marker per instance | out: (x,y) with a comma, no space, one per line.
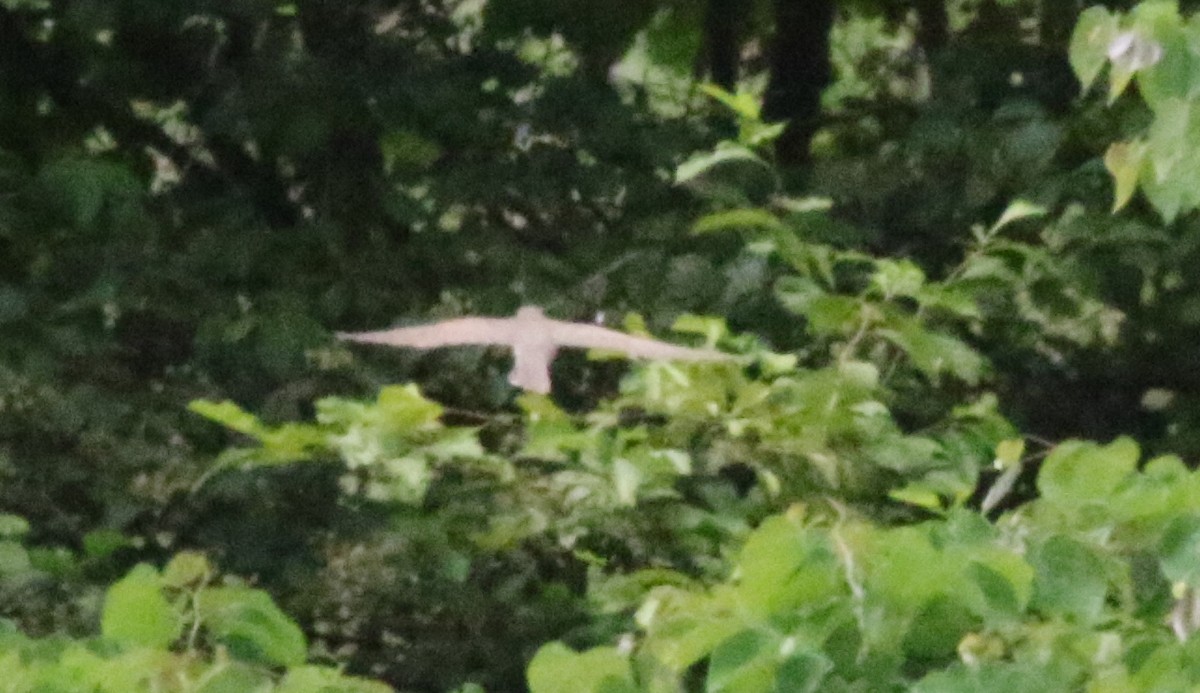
(136,612)
(742,103)
(1019,209)
(13,526)
(1094,32)
(230,415)
(1076,472)
(734,219)
(1009,452)
(249,623)
(557,669)
(187,569)
(783,564)
(898,278)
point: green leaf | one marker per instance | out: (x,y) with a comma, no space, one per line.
(230,415)
(1017,210)
(1124,161)
(1093,33)
(236,678)
(1009,452)
(249,623)
(14,559)
(681,640)
(404,407)
(700,164)
(831,315)
(898,278)
(1075,473)
(673,37)
(950,300)
(712,329)
(1028,674)
(557,668)
(1005,581)
(1174,75)
(101,543)
(136,612)
(400,409)
(626,480)
(454,443)
(734,219)
(1171,171)
(1069,579)
(863,374)
(803,672)
(406,151)
(797,294)
(314,679)
(405,479)
(731,174)
(744,104)
(904,568)
(937,628)
(1180,551)
(187,569)
(934,354)
(80,187)
(13,526)
(106,669)
(905,454)
(743,663)
(291,442)
(784,565)
(550,434)
(918,495)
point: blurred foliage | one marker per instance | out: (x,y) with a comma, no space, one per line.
(1056,596)
(1152,44)
(231,638)
(872,495)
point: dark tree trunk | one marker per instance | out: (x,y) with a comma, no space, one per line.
(721,41)
(800,70)
(934,25)
(1058,19)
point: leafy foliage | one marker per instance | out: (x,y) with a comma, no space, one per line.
(873,495)
(1151,45)
(1055,594)
(235,636)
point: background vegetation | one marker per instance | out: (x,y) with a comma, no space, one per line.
(950,242)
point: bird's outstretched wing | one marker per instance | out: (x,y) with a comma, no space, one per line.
(447,333)
(572,334)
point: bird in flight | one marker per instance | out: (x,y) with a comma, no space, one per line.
(534,340)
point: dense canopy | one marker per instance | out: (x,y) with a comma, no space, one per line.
(928,418)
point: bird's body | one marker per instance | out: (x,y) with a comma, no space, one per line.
(534,339)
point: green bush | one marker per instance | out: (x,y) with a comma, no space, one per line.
(1072,591)
(178,630)
(871,495)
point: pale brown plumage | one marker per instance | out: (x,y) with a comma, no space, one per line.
(534,339)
